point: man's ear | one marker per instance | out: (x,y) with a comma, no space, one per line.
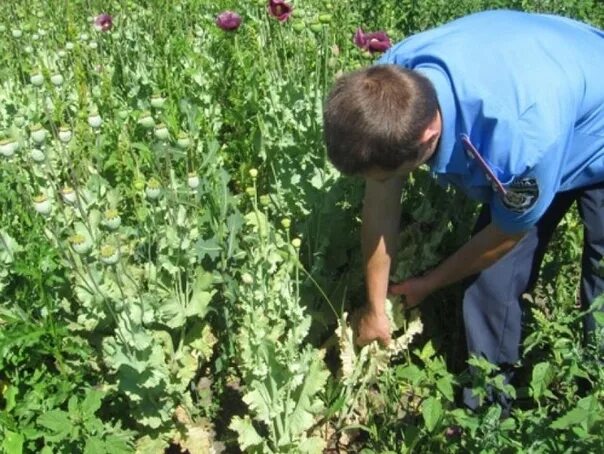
(433,130)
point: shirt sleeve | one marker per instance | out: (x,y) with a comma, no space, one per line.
(529,195)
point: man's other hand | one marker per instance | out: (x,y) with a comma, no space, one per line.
(414,289)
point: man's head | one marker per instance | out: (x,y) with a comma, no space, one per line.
(381,119)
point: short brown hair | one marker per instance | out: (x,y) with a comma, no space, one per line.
(375,117)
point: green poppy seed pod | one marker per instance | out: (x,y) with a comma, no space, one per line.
(17,33)
(42,32)
(183,140)
(286,223)
(95,121)
(254,173)
(146,120)
(158,101)
(56,79)
(80,244)
(193,180)
(36,79)
(84,37)
(123,114)
(325,18)
(68,195)
(35,37)
(28,50)
(112,219)
(8,147)
(316,27)
(61,53)
(37,155)
(65,134)
(38,134)
(153,189)
(247,279)
(264,200)
(109,255)
(69,45)
(93,45)
(161,132)
(297,242)
(250,191)
(42,205)
(298,26)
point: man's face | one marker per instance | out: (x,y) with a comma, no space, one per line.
(430,140)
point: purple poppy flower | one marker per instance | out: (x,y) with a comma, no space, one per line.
(103,22)
(228,20)
(279,10)
(373,42)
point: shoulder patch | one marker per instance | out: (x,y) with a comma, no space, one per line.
(521,194)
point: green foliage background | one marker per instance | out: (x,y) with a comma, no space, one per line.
(214,331)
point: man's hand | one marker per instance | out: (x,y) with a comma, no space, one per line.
(414,289)
(372,325)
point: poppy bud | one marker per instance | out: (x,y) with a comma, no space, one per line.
(228,21)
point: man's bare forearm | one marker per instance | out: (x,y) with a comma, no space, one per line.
(379,234)
(480,252)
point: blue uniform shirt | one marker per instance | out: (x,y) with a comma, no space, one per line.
(528,90)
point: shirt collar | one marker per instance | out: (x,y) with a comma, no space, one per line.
(449,157)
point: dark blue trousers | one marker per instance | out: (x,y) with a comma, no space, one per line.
(491,306)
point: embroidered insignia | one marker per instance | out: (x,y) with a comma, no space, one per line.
(521,194)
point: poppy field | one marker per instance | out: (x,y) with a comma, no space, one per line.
(179,262)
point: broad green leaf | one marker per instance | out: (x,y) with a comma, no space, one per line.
(311,445)
(210,248)
(95,445)
(172,313)
(303,416)
(432,411)
(574,416)
(10,395)
(247,435)
(257,402)
(445,386)
(116,445)
(507,424)
(148,445)
(258,221)
(427,352)
(542,376)
(8,248)
(411,373)
(13,442)
(200,298)
(466,419)
(92,402)
(72,405)
(55,420)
